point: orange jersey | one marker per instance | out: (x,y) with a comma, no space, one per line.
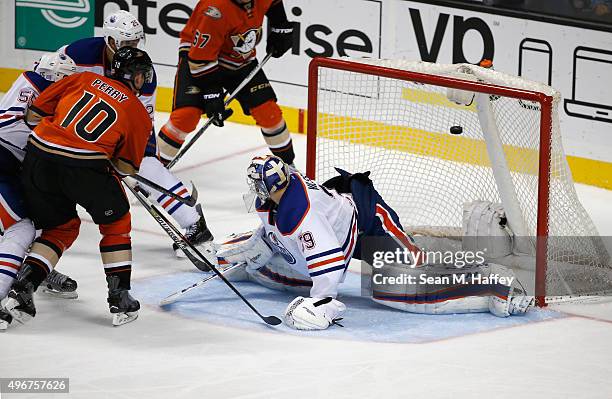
(224,32)
(88,117)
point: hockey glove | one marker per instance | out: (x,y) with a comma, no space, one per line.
(214,106)
(280,39)
(313,313)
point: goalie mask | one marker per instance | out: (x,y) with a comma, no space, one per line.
(124,29)
(55,66)
(267,175)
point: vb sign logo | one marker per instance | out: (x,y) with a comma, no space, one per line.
(49,24)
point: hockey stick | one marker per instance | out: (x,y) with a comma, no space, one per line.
(191,142)
(202,263)
(177,295)
(189,201)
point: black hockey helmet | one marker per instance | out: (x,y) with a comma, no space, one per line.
(130,63)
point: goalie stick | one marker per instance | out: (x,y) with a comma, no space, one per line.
(191,142)
(178,294)
(191,251)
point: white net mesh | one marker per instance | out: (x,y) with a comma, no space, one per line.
(400,131)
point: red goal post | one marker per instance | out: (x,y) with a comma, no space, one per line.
(357,69)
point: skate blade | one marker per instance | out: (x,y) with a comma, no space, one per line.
(59,294)
(122,318)
(3,325)
(17,315)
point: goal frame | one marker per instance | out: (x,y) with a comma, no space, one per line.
(546,120)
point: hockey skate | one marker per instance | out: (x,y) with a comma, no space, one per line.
(200,236)
(59,285)
(19,303)
(5,319)
(122,306)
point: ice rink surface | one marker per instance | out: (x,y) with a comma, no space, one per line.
(211,346)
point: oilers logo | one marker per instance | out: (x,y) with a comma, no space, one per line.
(244,43)
(280,248)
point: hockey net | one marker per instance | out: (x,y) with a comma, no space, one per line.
(393,118)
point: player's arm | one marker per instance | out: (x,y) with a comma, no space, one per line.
(206,35)
(324,256)
(46,103)
(135,134)
(280,38)
(187,34)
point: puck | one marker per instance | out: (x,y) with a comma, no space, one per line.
(456,129)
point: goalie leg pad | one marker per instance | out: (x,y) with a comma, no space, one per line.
(485,229)
(277,274)
(515,302)
(249,248)
(313,313)
(445,292)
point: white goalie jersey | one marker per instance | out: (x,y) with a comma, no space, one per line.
(315,230)
(14,132)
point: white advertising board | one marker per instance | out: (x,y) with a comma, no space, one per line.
(576,61)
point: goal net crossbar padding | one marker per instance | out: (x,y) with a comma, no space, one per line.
(393,118)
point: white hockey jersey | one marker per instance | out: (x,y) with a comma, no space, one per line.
(89,54)
(315,229)
(14,132)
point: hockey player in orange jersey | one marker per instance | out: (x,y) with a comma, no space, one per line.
(85,121)
(216,52)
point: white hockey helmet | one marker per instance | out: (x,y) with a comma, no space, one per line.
(124,28)
(55,66)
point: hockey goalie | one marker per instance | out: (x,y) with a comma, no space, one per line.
(309,233)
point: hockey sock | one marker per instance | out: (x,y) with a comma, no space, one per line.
(154,170)
(116,249)
(269,118)
(174,132)
(49,247)
(279,142)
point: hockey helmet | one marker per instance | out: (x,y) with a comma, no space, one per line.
(132,65)
(55,66)
(124,28)
(267,175)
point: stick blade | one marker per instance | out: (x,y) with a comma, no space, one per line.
(170,299)
(272,320)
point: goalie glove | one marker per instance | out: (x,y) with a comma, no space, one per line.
(249,248)
(313,313)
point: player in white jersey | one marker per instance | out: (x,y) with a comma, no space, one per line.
(310,233)
(94,54)
(17,230)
